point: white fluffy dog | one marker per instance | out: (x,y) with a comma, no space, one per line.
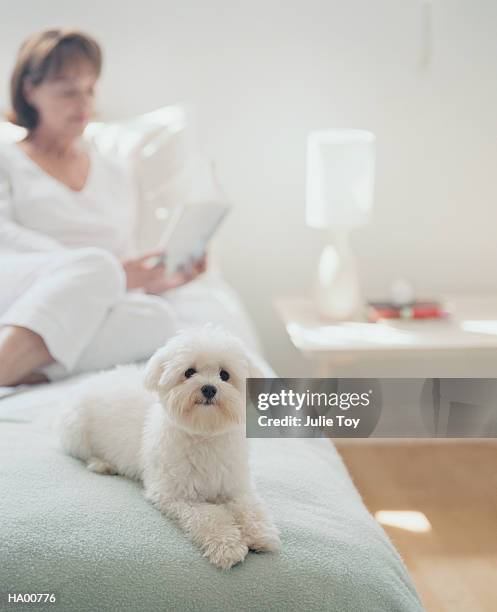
(179,426)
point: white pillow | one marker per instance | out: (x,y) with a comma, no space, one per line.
(157,147)
(155,142)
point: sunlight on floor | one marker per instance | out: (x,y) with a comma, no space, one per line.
(404,519)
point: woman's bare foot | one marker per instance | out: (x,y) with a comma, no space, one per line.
(22,351)
(35,378)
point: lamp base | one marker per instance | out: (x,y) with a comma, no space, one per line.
(337,292)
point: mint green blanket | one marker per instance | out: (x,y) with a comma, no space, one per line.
(99,546)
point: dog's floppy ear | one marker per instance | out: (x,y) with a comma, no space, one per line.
(154,370)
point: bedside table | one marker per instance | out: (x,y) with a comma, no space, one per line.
(472,327)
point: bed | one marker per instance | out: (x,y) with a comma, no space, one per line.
(98,545)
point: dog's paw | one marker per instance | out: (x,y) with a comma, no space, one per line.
(264,539)
(100,467)
(226,553)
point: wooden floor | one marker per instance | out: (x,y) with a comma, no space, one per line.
(454,483)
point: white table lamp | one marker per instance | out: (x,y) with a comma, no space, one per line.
(339,197)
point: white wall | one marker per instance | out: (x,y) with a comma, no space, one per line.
(262,73)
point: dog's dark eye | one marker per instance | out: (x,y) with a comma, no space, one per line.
(190,372)
(224,375)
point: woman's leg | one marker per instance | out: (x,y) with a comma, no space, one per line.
(139,324)
(60,298)
(133,329)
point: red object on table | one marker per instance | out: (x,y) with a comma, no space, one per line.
(416,310)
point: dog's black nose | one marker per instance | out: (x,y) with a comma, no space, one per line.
(208,391)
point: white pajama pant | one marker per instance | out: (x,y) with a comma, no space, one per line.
(76,300)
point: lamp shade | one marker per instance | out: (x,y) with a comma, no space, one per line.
(340,178)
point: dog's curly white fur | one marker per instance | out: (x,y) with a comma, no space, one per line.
(189,448)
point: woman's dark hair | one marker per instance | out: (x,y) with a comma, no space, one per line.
(45,55)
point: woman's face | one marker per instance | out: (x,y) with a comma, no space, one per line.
(64,102)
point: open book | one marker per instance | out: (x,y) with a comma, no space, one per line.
(189,230)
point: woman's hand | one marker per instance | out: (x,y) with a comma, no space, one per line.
(164,282)
(139,272)
(154,279)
